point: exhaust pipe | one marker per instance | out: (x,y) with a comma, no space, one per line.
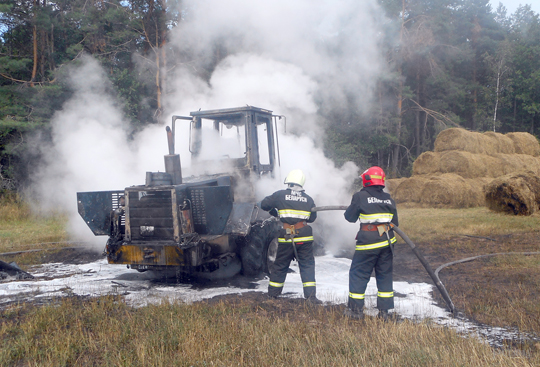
(172,161)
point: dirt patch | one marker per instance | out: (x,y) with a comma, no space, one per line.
(67,255)
(72,255)
(280,307)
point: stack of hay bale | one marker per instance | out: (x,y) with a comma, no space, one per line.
(463,165)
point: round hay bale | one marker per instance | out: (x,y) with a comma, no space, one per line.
(498,143)
(517,193)
(481,182)
(469,165)
(459,139)
(452,190)
(393,183)
(410,189)
(427,163)
(510,163)
(525,143)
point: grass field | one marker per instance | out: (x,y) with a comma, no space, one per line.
(501,291)
(21,229)
(106,332)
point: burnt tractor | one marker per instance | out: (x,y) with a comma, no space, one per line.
(207,224)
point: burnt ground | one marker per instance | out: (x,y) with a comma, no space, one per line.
(470,285)
(71,255)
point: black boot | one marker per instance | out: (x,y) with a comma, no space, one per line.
(314,300)
(354,314)
(385,316)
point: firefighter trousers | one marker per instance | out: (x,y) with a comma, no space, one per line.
(363,263)
(306,262)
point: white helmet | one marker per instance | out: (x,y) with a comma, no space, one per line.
(296,177)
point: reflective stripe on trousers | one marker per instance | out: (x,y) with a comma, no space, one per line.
(357,295)
(296,239)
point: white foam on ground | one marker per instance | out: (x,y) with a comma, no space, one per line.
(412,300)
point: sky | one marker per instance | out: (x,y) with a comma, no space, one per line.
(512,5)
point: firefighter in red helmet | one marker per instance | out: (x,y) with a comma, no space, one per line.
(375,209)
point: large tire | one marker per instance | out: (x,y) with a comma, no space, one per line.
(270,256)
(258,253)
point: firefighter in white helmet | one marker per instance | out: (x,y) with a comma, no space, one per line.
(374,243)
(293,207)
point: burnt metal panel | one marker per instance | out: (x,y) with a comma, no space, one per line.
(211,206)
(240,219)
(145,256)
(150,214)
(95,208)
(162,212)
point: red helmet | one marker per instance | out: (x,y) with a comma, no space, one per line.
(373,176)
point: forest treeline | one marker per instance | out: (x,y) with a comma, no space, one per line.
(452,62)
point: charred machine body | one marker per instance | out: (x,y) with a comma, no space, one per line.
(207,224)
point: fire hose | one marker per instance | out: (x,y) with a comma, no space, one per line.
(434,276)
(290,236)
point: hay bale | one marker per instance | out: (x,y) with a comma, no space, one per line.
(517,193)
(469,165)
(481,182)
(525,143)
(510,163)
(427,163)
(452,190)
(490,143)
(409,190)
(460,139)
(498,143)
(393,183)
(447,190)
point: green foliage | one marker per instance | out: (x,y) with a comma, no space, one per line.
(444,63)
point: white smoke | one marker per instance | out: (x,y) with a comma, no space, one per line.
(90,149)
(300,59)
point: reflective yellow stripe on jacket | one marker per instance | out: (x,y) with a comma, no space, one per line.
(376,218)
(372,246)
(293,213)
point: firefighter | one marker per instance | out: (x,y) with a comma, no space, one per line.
(374,243)
(293,207)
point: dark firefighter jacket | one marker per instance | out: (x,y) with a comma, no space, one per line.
(372,205)
(292,207)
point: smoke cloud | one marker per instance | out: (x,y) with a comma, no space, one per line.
(301,59)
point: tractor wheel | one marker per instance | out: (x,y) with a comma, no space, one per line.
(259,252)
(270,256)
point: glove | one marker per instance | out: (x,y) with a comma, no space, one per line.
(273,212)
